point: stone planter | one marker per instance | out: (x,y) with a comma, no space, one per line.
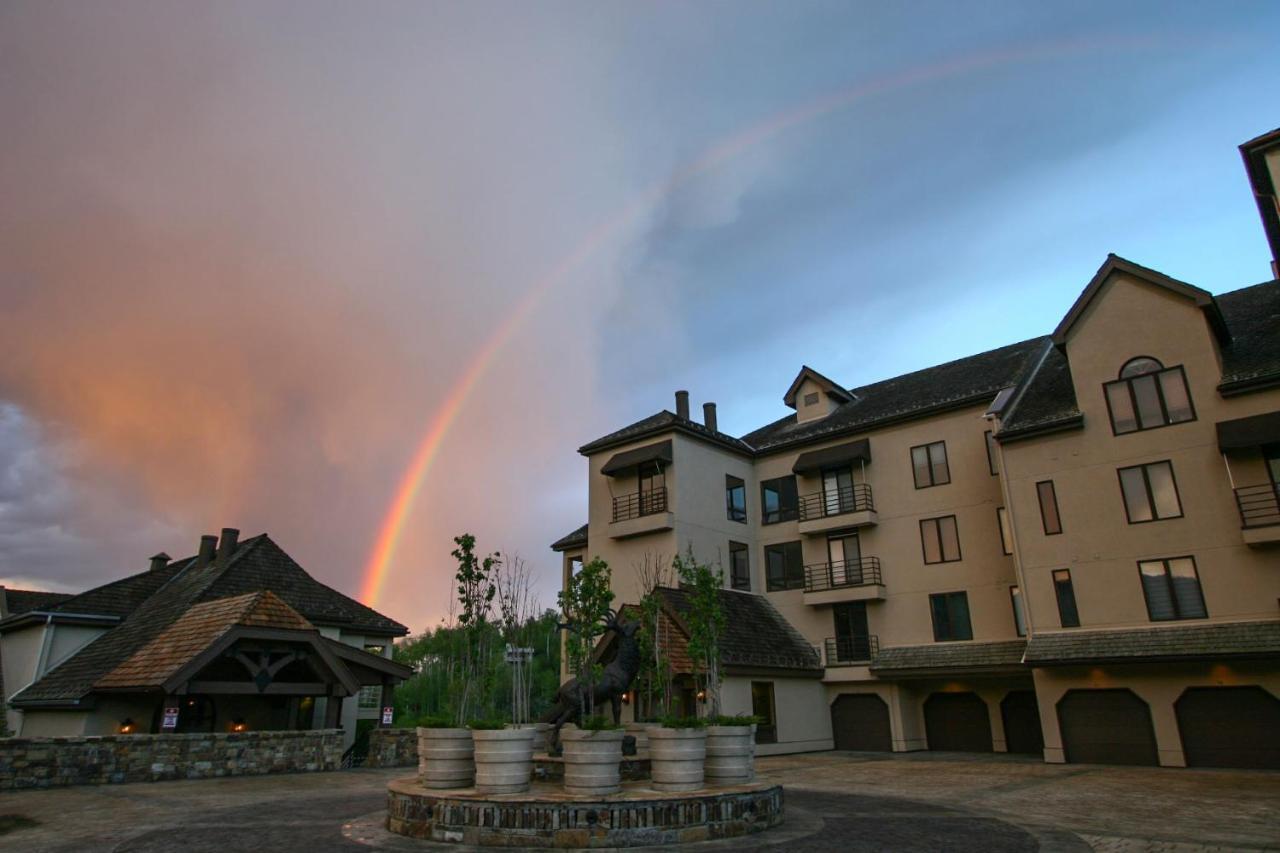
(592,762)
(504,760)
(677,757)
(731,755)
(640,731)
(445,758)
(541,735)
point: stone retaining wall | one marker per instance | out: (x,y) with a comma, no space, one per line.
(393,748)
(111,759)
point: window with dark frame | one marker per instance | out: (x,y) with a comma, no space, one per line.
(1006,534)
(735,496)
(739,566)
(940,539)
(1068,616)
(811,399)
(778,500)
(1171,587)
(1019,615)
(993,458)
(763,707)
(784,566)
(1148,395)
(1150,492)
(929,465)
(1049,508)
(950,612)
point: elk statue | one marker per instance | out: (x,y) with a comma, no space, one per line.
(616,680)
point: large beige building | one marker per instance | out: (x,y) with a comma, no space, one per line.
(1069,546)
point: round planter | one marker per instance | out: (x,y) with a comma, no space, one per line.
(731,755)
(445,758)
(676,758)
(640,731)
(504,760)
(592,762)
(541,735)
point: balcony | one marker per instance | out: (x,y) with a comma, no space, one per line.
(851,651)
(848,506)
(638,513)
(1259,513)
(847,580)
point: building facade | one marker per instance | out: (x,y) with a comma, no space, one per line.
(1068,547)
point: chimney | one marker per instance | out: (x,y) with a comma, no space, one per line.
(228,546)
(159,561)
(682,404)
(208,544)
(709,416)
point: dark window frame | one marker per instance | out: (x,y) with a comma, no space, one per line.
(924,552)
(1070,588)
(1151,498)
(928,450)
(745,550)
(1057,508)
(948,597)
(785,513)
(767,730)
(1002,521)
(1173,598)
(1015,596)
(1133,397)
(788,581)
(729,489)
(992,466)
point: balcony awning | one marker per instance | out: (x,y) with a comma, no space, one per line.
(1249,432)
(631,459)
(827,457)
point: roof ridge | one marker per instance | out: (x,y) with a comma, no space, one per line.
(1021,389)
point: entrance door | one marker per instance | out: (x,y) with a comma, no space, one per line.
(837,490)
(844,560)
(1106,727)
(1021,716)
(957,722)
(853,640)
(1229,727)
(762,706)
(860,721)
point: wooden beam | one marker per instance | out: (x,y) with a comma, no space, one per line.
(278,688)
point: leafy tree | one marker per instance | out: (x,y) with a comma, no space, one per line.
(585,603)
(706,622)
(477,587)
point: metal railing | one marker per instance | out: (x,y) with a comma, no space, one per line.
(639,504)
(842,574)
(846,499)
(1259,505)
(846,650)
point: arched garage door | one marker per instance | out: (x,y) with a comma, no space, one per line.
(957,722)
(861,721)
(1021,717)
(1106,727)
(1229,727)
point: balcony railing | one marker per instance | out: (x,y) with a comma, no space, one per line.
(1259,505)
(851,650)
(638,504)
(840,501)
(842,574)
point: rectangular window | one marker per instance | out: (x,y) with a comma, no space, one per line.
(1048,507)
(1019,615)
(575,565)
(993,458)
(735,495)
(784,566)
(929,462)
(762,706)
(940,539)
(1006,535)
(950,616)
(1066,594)
(739,566)
(1149,400)
(1172,589)
(1150,492)
(778,500)
(370,696)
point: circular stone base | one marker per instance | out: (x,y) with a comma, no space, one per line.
(546,816)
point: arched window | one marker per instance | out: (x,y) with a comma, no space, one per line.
(1148,395)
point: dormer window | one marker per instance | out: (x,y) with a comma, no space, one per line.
(1148,395)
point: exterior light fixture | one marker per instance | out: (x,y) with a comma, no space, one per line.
(126,726)
(702,695)
(238,724)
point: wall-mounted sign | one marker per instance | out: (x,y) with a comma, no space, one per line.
(170,720)
(387,713)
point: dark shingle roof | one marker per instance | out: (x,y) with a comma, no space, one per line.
(25,600)
(976,379)
(1232,639)
(576,539)
(1046,400)
(1252,315)
(756,635)
(662,422)
(122,597)
(950,656)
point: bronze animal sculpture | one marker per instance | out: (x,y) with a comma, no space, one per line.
(614,681)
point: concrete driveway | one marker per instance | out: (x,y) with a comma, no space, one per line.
(835,801)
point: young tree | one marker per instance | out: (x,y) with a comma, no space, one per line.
(655,667)
(585,604)
(706,623)
(476,590)
(516,607)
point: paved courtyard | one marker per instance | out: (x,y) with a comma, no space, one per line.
(835,801)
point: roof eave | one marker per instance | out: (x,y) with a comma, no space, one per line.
(1020,433)
(1238,387)
(594,447)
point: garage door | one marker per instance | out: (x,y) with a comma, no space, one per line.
(1229,727)
(861,721)
(1021,717)
(1106,727)
(957,722)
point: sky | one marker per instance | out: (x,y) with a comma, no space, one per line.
(253,253)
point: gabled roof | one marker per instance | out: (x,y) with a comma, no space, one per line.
(576,539)
(1254,153)
(1251,360)
(120,598)
(658,424)
(18,601)
(1044,402)
(1113,264)
(756,635)
(829,387)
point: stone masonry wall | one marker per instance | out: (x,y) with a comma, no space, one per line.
(111,759)
(393,748)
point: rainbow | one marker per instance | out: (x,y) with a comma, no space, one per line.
(389,532)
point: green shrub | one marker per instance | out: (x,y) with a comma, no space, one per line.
(598,724)
(434,721)
(735,720)
(487,725)
(671,721)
